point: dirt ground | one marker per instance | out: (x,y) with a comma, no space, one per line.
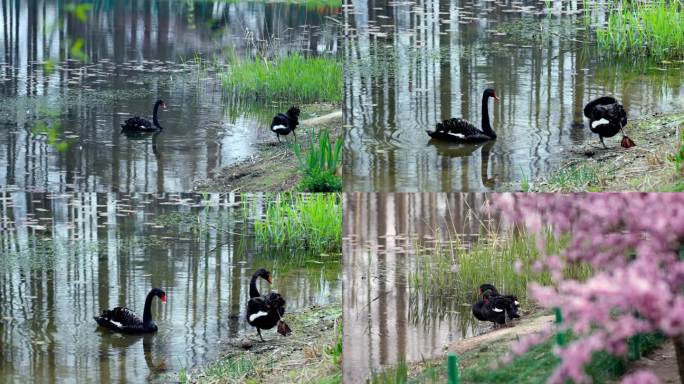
(274,167)
(662,361)
(646,167)
(302,357)
(502,335)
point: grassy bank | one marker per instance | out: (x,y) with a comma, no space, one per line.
(275,167)
(312,354)
(446,276)
(655,164)
(311,222)
(294,79)
(483,362)
(652,29)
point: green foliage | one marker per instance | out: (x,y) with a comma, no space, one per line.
(448,274)
(320,163)
(311,222)
(678,157)
(51,128)
(395,375)
(535,366)
(321,183)
(580,177)
(645,28)
(79,10)
(334,351)
(234,369)
(292,79)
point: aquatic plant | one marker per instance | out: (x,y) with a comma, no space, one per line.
(634,244)
(447,275)
(320,164)
(292,79)
(311,222)
(644,28)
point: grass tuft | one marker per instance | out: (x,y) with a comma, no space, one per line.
(294,79)
(644,28)
(320,164)
(311,222)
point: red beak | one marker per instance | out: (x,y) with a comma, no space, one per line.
(163,298)
(269,280)
(496,97)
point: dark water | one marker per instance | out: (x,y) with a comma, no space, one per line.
(411,64)
(67,256)
(138,51)
(385,320)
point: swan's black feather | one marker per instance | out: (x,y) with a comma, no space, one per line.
(606,116)
(284,123)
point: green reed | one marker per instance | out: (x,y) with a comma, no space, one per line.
(449,275)
(319,165)
(310,222)
(654,29)
(292,79)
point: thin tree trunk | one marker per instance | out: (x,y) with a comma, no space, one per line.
(679,353)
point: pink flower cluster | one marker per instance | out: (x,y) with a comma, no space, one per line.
(632,242)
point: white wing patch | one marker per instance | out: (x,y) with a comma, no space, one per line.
(516,302)
(257,315)
(497,310)
(279,127)
(599,122)
(116,324)
(459,135)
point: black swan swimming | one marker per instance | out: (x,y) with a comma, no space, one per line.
(462,131)
(283,124)
(607,117)
(265,312)
(138,124)
(122,319)
(495,307)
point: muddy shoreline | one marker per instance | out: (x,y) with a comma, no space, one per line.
(646,167)
(274,167)
(306,356)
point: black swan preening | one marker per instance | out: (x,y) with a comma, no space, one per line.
(265,312)
(607,117)
(494,307)
(462,131)
(283,124)
(138,124)
(122,319)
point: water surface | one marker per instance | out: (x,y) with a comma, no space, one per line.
(137,52)
(410,64)
(67,256)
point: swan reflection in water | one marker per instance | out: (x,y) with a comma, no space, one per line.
(450,150)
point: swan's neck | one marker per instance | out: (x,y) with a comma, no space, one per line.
(486,127)
(155,118)
(253,291)
(147,313)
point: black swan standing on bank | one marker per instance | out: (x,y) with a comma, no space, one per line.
(122,319)
(494,307)
(607,117)
(138,124)
(283,124)
(462,131)
(265,312)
